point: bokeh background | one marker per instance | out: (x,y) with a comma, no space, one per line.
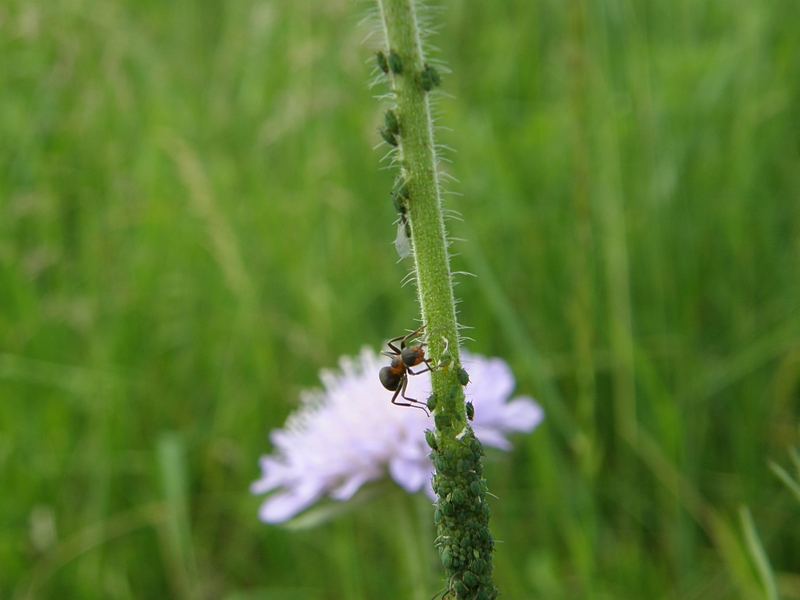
(194,221)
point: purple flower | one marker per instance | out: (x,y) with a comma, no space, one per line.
(350,433)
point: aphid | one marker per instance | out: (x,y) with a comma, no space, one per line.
(402,242)
(470,579)
(430,438)
(395,64)
(470,411)
(390,122)
(400,195)
(383,65)
(399,204)
(400,187)
(429,78)
(388,137)
(395,377)
(391,128)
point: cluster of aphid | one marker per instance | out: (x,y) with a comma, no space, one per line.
(427,79)
(465,543)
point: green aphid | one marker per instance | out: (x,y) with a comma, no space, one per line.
(463,376)
(475,488)
(454,389)
(470,411)
(442,421)
(394,62)
(400,195)
(447,558)
(429,78)
(430,437)
(478,565)
(400,188)
(388,137)
(476,446)
(433,402)
(470,579)
(383,64)
(440,463)
(399,206)
(390,122)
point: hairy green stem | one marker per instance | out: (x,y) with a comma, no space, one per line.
(417,156)
(464,541)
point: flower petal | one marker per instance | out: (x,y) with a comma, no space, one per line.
(282,506)
(350,433)
(351,485)
(409,474)
(522,414)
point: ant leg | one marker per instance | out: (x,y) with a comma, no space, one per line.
(413,403)
(399,390)
(391,345)
(410,335)
(416,332)
(416,403)
(402,339)
(425,370)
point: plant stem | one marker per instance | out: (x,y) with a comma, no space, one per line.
(418,159)
(464,541)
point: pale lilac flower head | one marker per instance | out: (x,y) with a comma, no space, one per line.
(350,433)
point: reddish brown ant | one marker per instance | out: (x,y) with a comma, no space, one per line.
(395,377)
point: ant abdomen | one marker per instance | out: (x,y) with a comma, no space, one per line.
(390,378)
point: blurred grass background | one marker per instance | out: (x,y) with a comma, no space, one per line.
(193,222)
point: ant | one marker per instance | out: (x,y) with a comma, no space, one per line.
(395,377)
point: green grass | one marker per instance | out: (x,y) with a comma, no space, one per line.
(193,222)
